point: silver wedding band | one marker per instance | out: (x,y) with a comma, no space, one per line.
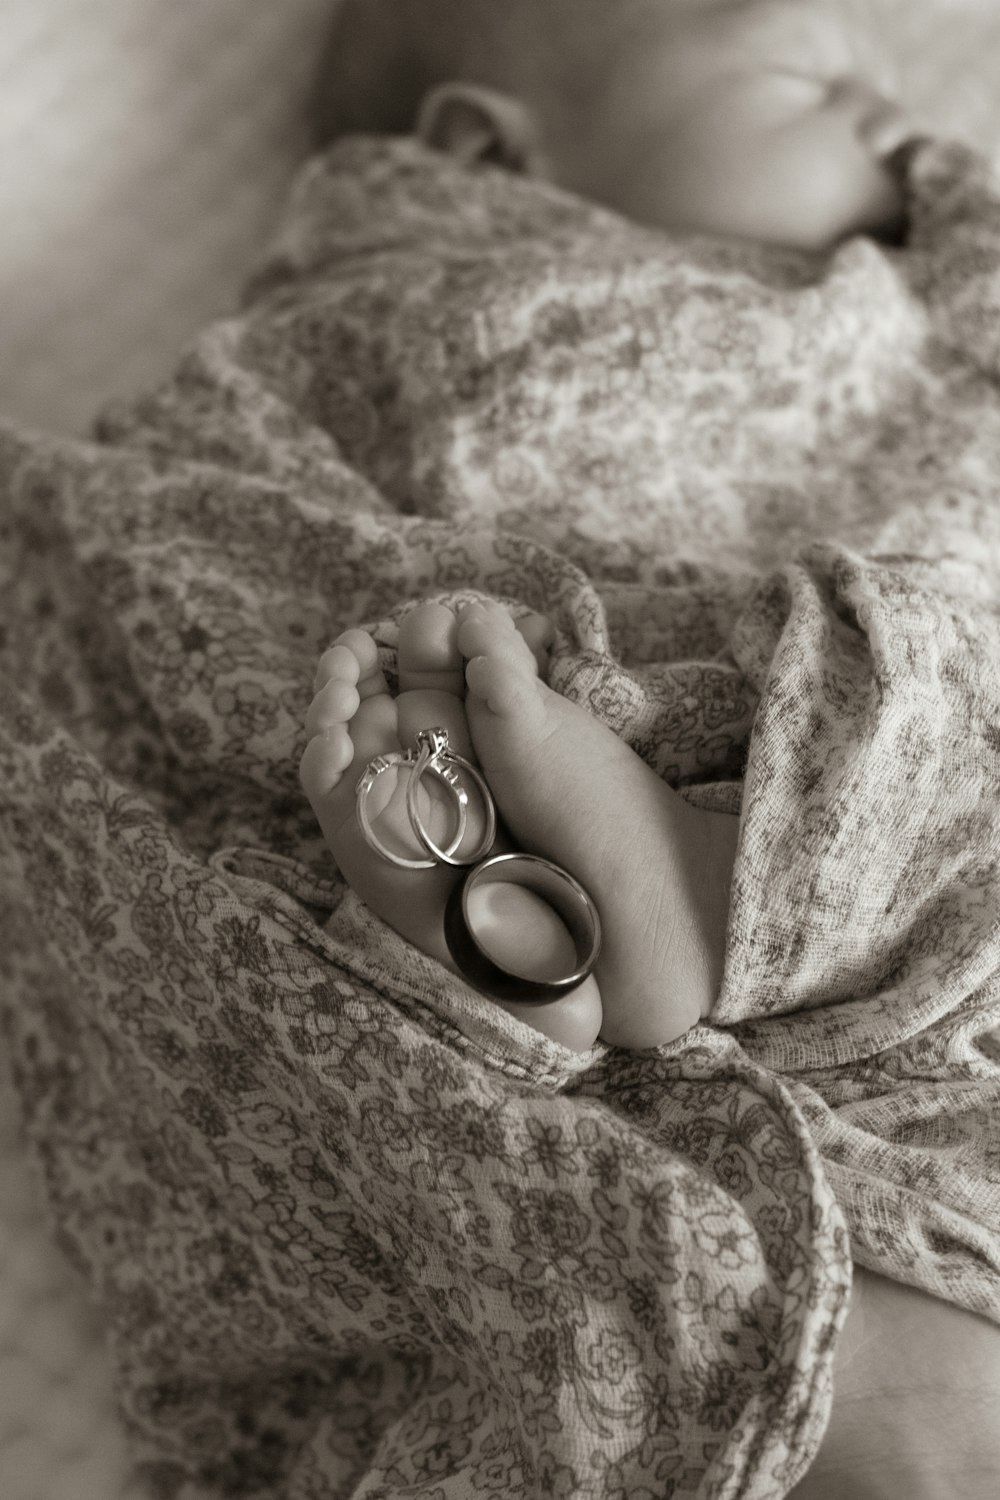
(559,890)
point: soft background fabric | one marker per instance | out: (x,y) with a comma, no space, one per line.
(145,148)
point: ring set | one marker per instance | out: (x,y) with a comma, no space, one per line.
(545,879)
(434,757)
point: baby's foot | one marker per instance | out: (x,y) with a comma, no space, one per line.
(568,788)
(352,719)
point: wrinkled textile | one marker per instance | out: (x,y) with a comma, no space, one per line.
(356,1231)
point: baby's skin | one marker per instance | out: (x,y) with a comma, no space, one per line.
(768,120)
(764,119)
(566,787)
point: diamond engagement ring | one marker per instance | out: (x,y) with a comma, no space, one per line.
(436,757)
(431,766)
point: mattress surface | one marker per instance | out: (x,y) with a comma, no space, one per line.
(145,146)
(145,149)
(60,1437)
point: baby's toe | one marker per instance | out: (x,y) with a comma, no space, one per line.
(428,650)
(324,761)
(375,729)
(490,631)
(339,663)
(502,681)
(335,757)
(486,614)
(335,703)
(353,658)
(538,634)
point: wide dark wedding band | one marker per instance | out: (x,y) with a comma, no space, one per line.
(555,886)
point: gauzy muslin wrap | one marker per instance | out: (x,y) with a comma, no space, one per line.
(356,1231)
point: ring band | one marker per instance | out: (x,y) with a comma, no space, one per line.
(372,772)
(437,757)
(556,887)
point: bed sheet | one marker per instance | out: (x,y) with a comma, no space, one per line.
(60,1437)
(105,274)
(145,146)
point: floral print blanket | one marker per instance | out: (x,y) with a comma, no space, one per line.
(355,1231)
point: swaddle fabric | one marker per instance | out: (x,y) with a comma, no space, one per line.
(355,1230)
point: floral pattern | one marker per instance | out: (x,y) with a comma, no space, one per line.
(354,1229)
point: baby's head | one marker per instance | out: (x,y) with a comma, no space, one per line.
(766,119)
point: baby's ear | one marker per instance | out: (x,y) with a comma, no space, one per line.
(475,123)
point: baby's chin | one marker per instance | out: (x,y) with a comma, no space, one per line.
(804,213)
(882,217)
(875,206)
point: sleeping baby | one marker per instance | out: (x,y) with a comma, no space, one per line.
(354,1227)
(768,119)
(763,118)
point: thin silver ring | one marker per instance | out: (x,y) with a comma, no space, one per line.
(555,886)
(370,775)
(437,757)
